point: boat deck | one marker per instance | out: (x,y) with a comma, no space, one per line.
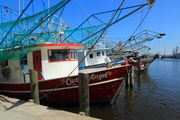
(92,70)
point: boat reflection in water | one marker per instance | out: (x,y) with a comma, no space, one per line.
(155,96)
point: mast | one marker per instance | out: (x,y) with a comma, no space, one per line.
(19,7)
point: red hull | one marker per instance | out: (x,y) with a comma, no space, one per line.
(102,87)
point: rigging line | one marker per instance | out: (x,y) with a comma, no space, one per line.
(98,19)
(16,21)
(60,14)
(4,29)
(119,14)
(33,26)
(141,21)
(30,20)
(43,4)
(17,26)
(102,13)
(109,23)
(135,29)
(12,54)
(140,29)
(8,8)
(46,17)
(115,12)
(115,22)
(53,12)
(32,3)
(1,15)
(120,9)
(33,11)
(13,13)
(113,16)
(85,11)
(134,32)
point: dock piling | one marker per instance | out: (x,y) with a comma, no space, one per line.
(84,93)
(34,86)
(132,72)
(130,78)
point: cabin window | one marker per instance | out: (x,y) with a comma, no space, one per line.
(98,54)
(73,54)
(24,60)
(58,55)
(90,55)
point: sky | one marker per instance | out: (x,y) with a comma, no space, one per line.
(164,17)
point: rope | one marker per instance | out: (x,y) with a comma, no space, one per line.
(109,23)
(40,22)
(102,13)
(16,21)
(85,11)
(127,41)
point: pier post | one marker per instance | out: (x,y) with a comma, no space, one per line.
(127,80)
(34,86)
(132,76)
(84,93)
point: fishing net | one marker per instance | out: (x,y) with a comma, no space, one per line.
(28,31)
(83,35)
(43,27)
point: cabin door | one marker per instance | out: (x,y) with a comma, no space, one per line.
(37,64)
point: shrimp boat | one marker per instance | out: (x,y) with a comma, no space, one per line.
(176,53)
(32,43)
(58,75)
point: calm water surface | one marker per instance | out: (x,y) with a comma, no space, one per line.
(156,96)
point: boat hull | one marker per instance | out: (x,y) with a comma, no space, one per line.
(177,56)
(102,87)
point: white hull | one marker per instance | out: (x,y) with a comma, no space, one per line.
(177,56)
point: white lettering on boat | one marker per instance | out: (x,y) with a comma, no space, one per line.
(74,81)
(98,76)
(71,81)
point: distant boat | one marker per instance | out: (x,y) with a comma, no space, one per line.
(176,53)
(96,58)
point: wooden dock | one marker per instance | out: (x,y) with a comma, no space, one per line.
(15,109)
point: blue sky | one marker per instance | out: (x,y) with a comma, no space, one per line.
(164,17)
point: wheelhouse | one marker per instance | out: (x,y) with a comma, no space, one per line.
(50,60)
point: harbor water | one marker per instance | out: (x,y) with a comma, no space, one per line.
(155,96)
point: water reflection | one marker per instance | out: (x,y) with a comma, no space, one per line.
(155,96)
(129,99)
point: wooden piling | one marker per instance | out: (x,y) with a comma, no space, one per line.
(130,78)
(33,75)
(84,93)
(132,74)
(127,83)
